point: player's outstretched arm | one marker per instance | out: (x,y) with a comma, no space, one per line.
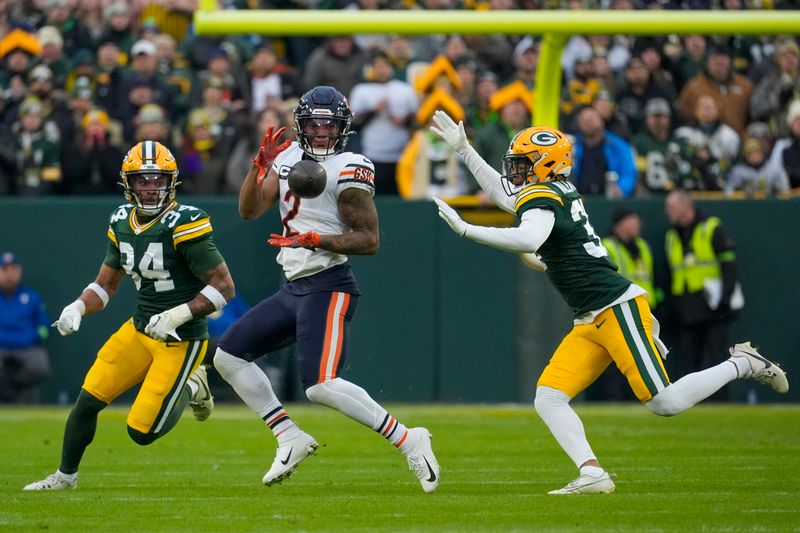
(260,188)
(535,227)
(92,300)
(488,178)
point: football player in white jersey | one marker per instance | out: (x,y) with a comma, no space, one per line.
(315,306)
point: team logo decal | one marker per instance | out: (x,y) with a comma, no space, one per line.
(544,138)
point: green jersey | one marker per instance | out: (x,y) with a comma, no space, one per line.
(164,255)
(577,262)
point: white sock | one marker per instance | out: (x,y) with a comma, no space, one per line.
(253,386)
(693,388)
(279,422)
(591,470)
(743,366)
(554,409)
(68,477)
(193,388)
(353,401)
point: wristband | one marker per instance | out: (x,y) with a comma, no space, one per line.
(99,291)
(214,296)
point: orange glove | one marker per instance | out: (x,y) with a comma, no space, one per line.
(308,240)
(270,149)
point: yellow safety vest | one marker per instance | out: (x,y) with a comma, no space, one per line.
(639,271)
(689,271)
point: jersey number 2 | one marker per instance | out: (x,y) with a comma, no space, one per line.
(289,196)
(595,246)
(153,257)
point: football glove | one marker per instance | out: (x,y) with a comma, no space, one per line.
(452,133)
(308,240)
(270,148)
(70,320)
(449,215)
(164,324)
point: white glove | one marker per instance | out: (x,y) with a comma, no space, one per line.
(449,215)
(452,133)
(164,324)
(70,320)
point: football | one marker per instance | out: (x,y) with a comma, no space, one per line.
(307,179)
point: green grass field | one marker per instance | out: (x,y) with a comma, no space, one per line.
(715,468)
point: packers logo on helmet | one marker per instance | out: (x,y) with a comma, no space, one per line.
(149,176)
(536,154)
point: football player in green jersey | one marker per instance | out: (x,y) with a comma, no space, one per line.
(168,250)
(612,320)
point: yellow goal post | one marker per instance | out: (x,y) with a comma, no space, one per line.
(555,26)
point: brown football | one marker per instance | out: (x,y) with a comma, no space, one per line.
(307,179)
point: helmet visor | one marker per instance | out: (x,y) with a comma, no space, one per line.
(150,189)
(322,135)
(518,168)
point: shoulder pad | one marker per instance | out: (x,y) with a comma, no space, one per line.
(538,194)
(192,222)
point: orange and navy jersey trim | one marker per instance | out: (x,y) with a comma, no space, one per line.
(334,336)
(355,173)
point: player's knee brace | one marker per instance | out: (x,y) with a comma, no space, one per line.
(142,439)
(227,364)
(666,403)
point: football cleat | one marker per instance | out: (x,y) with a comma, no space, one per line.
(201,402)
(586,484)
(57,481)
(763,370)
(288,456)
(421,459)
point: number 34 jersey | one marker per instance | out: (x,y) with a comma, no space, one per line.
(577,262)
(161,255)
(321,214)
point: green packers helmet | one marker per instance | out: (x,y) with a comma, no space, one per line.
(149,176)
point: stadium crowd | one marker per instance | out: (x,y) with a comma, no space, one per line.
(81,80)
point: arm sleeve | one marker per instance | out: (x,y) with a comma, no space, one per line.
(533,230)
(488,178)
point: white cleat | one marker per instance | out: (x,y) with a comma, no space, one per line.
(586,484)
(202,403)
(763,370)
(57,481)
(288,456)
(421,459)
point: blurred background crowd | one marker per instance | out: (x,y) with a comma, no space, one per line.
(83,80)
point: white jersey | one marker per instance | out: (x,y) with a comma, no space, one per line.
(321,214)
